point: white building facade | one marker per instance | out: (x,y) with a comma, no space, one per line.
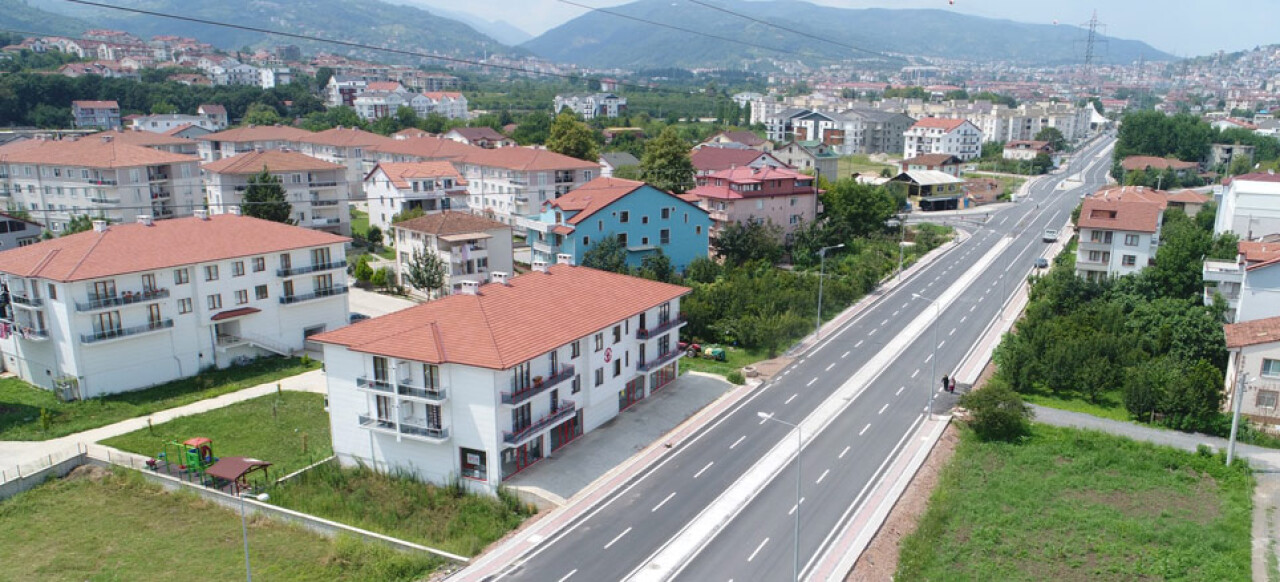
(470,246)
(1119,231)
(316,189)
(932,135)
(431,187)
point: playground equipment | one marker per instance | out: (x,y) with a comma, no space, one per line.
(194,455)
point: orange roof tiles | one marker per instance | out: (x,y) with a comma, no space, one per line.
(426,148)
(131,248)
(102,151)
(345,137)
(401,172)
(1188,197)
(449,222)
(593,196)
(1135,163)
(505,325)
(932,160)
(275,161)
(96,104)
(712,159)
(526,160)
(1252,333)
(1258,252)
(1128,208)
(938,123)
(258,133)
(142,138)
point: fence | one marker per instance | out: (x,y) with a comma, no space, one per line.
(15,479)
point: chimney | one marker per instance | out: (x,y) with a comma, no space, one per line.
(233,210)
(99,226)
(498,277)
(564,259)
(201,214)
(540,266)
(470,288)
(106,139)
(144,219)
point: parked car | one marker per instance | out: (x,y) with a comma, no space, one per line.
(1051,235)
(358,317)
(1042,263)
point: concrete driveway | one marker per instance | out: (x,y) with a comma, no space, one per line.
(375,304)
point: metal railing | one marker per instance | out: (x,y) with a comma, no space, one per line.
(658,361)
(324,202)
(433,394)
(119,332)
(440,433)
(124,299)
(329,292)
(565,409)
(98,200)
(326,184)
(661,328)
(519,395)
(311,268)
(379,423)
(368,383)
(28,301)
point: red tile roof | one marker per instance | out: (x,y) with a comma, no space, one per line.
(230,313)
(526,160)
(400,172)
(1258,252)
(479,133)
(1135,163)
(142,138)
(938,123)
(1252,333)
(707,189)
(97,152)
(1256,177)
(932,160)
(275,161)
(258,133)
(345,137)
(411,133)
(593,196)
(713,159)
(131,248)
(384,86)
(213,109)
(1127,208)
(426,148)
(506,325)
(450,222)
(174,131)
(1188,197)
(96,104)
(746,138)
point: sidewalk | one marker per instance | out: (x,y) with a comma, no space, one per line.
(23,453)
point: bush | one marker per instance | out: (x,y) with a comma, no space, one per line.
(735,377)
(999,414)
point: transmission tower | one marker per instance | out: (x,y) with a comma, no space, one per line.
(1092,40)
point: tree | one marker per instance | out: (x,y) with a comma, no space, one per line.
(374,235)
(261,114)
(264,198)
(999,414)
(534,128)
(323,74)
(363,272)
(1054,136)
(573,138)
(78,224)
(607,255)
(383,278)
(854,210)
(657,267)
(738,243)
(702,270)
(404,215)
(425,272)
(666,164)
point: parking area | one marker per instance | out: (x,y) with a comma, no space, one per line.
(374,304)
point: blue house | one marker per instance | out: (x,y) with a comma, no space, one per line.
(645,218)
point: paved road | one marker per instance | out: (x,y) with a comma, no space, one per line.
(866,386)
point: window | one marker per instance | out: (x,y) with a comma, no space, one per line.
(242,297)
(181,277)
(697,230)
(617,368)
(53,291)
(1270,368)
(622,239)
(259,264)
(1131,240)
(431,376)
(599,341)
(474,465)
(664,237)
(624,216)
(666,213)
(617,333)
(644,220)
(149,283)
(575,349)
(599,376)
(577,384)
(286,262)
(260,291)
(237,269)
(214,301)
(586,240)
(211,273)
(1266,399)
(1129,260)
(184,306)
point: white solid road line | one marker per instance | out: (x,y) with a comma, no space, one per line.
(864,429)
(811,382)
(900,389)
(821,477)
(663,502)
(859,344)
(703,470)
(735,443)
(615,540)
(915,373)
(758,548)
(928,359)
(830,366)
(846,449)
(886,405)
(953,331)
(846,354)
(566,576)
(793,397)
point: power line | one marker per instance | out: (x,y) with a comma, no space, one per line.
(670,26)
(791,30)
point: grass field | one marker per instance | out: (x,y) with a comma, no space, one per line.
(359,222)
(117,526)
(863,165)
(1078,505)
(20,403)
(273,428)
(1109,406)
(440,517)
(736,358)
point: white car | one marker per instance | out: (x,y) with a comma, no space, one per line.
(1051,235)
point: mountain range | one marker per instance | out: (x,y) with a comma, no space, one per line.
(599,39)
(16,15)
(499,30)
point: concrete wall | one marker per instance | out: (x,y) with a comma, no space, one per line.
(15,482)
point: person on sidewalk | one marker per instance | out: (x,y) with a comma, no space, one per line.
(945,383)
(952,388)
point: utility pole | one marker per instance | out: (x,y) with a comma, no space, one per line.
(1241,380)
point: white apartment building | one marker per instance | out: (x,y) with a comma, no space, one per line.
(394,187)
(162,123)
(99,114)
(1250,207)
(99,176)
(472,246)
(316,189)
(932,135)
(224,144)
(511,184)
(1119,231)
(1227,278)
(216,114)
(450,104)
(127,306)
(346,147)
(374,104)
(591,105)
(1254,349)
(564,349)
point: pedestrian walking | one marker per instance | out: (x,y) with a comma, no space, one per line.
(952,388)
(945,383)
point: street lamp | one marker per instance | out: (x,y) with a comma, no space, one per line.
(244,530)
(795,562)
(933,362)
(822,265)
(1241,381)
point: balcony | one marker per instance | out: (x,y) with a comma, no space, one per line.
(565,409)
(157,176)
(426,433)
(374,385)
(128,298)
(6,194)
(326,184)
(1223,271)
(324,202)
(312,268)
(325,221)
(431,394)
(1230,294)
(119,332)
(102,200)
(659,361)
(31,333)
(102,182)
(644,334)
(520,395)
(379,424)
(319,294)
(26,301)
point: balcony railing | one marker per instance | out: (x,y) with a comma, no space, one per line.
(432,433)
(106,334)
(658,361)
(378,423)
(102,182)
(661,328)
(324,202)
(325,221)
(117,300)
(329,292)
(368,383)
(27,301)
(100,200)
(433,394)
(565,409)
(522,394)
(312,268)
(326,184)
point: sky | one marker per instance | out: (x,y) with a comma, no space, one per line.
(1181,27)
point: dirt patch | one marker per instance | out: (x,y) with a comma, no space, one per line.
(768,368)
(880,560)
(1199,505)
(91,472)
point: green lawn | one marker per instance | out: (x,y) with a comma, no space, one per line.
(359,222)
(863,165)
(20,403)
(121,527)
(273,428)
(1109,406)
(439,517)
(736,358)
(1080,505)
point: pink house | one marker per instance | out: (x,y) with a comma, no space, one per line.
(782,196)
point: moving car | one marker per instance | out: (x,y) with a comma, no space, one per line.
(1051,235)
(1042,263)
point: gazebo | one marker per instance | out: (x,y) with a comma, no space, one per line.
(236,469)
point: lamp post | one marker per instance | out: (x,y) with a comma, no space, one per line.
(795,561)
(822,265)
(933,362)
(1241,380)
(244,531)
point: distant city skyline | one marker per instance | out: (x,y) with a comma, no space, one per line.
(1180,27)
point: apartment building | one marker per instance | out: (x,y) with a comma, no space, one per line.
(215,114)
(158,141)
(782,196)
(126,306)
(1119,231)
(99,176)
(1253,349)
(91,114)
(316,189)
(18,232)
(512,184)
(239,140)
(416,391)
(591,106)
(1250,206)
(346,147)
(1228,278)
(932,135)
(395,187)
(161,123)
(471,246)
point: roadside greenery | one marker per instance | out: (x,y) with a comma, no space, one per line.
(1188,138)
